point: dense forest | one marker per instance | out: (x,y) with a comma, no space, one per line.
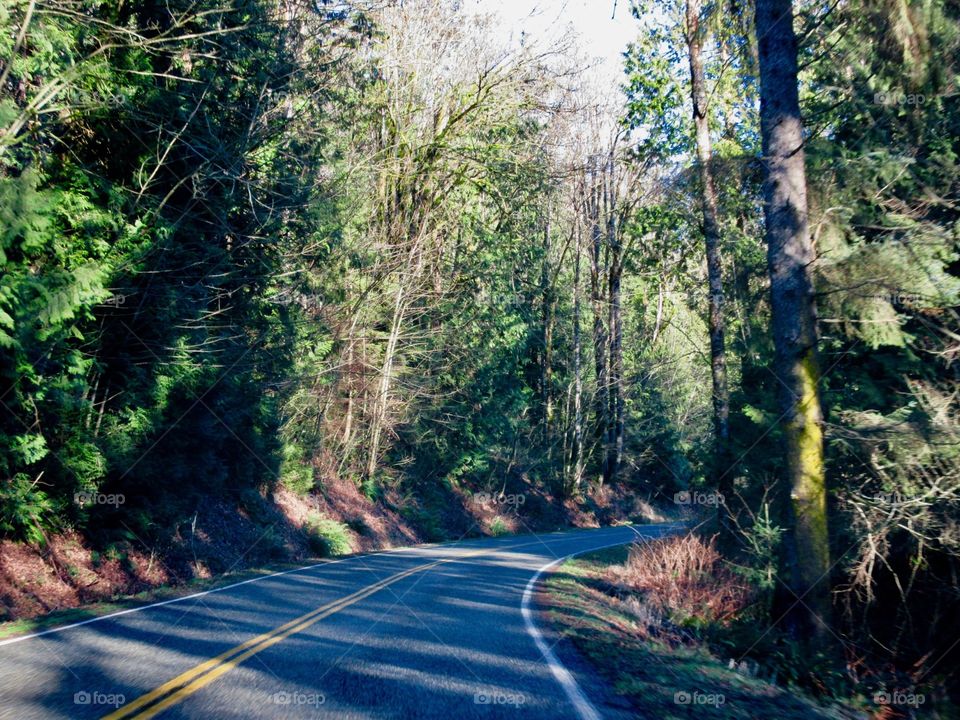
(263,255)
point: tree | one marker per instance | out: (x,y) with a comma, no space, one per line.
(695,32)
(790,257)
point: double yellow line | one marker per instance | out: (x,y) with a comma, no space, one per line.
(184,685)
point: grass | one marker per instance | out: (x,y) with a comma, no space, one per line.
(661,672)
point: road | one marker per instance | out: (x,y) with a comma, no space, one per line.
(425,632)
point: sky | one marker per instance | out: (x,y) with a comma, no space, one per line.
(602,36)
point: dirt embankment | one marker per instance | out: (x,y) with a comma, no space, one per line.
(225,536)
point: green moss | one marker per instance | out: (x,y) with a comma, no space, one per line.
(810,433)
(808,498)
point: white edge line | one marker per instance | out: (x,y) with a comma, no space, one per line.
(61,628)
(585,709)
(193,596)
(139,608)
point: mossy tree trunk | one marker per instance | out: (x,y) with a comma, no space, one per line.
(790,255)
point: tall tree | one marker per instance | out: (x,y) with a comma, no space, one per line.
(614,445)
(577,445)
(711,234)
(598,268)
(790,255)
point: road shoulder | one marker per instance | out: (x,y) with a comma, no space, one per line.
(607,642)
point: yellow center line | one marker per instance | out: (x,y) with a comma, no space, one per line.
(182,686)
(187,683)
(173,691)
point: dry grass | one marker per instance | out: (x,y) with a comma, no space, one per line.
(684,578)
(617,630)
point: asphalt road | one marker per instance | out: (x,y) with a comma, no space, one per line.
(426,632)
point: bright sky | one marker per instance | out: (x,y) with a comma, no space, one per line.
(600,36)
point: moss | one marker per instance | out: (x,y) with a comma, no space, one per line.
(809,489)
(808,485)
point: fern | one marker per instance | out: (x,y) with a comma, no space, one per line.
(26,513)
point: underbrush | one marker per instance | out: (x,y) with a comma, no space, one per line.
(698,596)
(652,619)
(672,623)
(684,579)
(203,537)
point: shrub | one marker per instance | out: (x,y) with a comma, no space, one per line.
(359,525)
(328,537)
(272,544)
(425,521)
(685,579)
(299,479)
(498,527)
(296,473)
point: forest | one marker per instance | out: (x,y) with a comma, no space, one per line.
(285,279)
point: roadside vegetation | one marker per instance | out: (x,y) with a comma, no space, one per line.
(677,634)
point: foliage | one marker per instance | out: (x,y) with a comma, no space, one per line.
(498,527)
(25,510)
(877,100)
(328,537)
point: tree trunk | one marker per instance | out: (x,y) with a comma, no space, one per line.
(711,236)
(614,451)
(348,421)
(659,318)
(597,271)
(790,254)
(546,358)
(577,370)
(381,401)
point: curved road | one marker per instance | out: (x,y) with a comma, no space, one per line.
(424,632)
